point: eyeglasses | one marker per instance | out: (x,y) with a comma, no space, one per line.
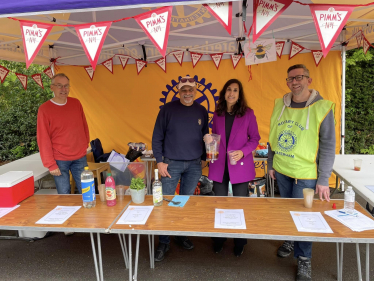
(184,80)
(297,78)
(67,86)
(190,90)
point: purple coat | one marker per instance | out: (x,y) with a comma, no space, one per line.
(245,137)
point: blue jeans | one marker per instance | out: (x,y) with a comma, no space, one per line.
(188,172)
(76,167)
(288,188)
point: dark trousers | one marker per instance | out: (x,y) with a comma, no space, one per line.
(222,189)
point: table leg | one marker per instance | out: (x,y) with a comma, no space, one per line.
(341,261)
(100,257)
(124,250)
(94,256)
(367,262)
(150,251)
(147,176)
(337,262)
(130,259)
(136,258)
(358,261)
(153,251)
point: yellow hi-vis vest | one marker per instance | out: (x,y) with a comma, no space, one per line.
(295,140)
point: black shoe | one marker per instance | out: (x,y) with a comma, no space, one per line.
(161,250)
(238,250)
(304,269)
(285,250)
(184,242)
(218,247)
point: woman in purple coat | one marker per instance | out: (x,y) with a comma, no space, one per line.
(237,125)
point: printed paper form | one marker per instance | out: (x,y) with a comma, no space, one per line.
(229,219)
(370,187)
(357,222)
(135,215)
(4,211)
(58,215)
(310,222)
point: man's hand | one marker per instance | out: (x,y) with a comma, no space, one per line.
(55,172)
(272,174)
(207,138)
(163,169)
(323,191)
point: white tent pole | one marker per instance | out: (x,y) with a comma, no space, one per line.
(343,93)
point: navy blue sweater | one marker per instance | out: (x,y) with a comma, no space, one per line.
(179,132)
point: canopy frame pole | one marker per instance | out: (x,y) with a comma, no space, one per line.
(343,93)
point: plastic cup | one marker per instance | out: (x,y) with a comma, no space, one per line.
(357,164)
(308,197)
(232,161)
(102,194)
(120,191)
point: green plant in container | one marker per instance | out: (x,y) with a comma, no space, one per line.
(137,184)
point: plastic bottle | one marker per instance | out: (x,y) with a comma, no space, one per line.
(349,200)
(157,190)
(110,191)
(88,188)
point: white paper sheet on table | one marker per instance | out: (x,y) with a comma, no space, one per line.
(58,215)
(4,211)
(231,219)
(135,215)
(310,222)
(370,187)
(356,223)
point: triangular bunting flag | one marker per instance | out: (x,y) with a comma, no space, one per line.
(23,79)
(295,49)
(161,63)
(3,73)
(123,59)
(235,60)
(317,55)
(92,37)
(195,57)
(179,56)
(33,36)
(48,72)
(156,24)
(90,71)
(329,21)
(108,64)
(366,44)
(38,79)
(140,65)
(279,48)
(217,59)
(359,39)
(222,11)
(265,13)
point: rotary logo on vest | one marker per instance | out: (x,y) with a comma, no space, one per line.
(287,140)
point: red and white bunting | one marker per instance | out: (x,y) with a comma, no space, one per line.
(3,73)
(156,24)
(23,79)
(295,49)
(235,60)
(179,56)
(123,59)
(366,44)
(195,57)
(92,37)
(317,55)
(90,71)
(140,64)
(222,11)
(161,63)
(38,79)
(216,59)
(108,64)
(279,46)
(329,21)
(359,39)
(33,36)
(48,72)
(266,12)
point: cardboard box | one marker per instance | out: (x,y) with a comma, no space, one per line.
(15,186)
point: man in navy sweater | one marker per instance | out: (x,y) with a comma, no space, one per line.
(178,147)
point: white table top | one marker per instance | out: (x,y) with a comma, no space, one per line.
(343,167)
(36,166)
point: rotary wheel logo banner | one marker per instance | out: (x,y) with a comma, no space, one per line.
(329,21)
(222,11)
(156,24)
(33,37)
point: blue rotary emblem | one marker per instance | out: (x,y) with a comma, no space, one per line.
(287,140)
(205,95)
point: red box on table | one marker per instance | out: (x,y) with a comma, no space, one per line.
(15,186)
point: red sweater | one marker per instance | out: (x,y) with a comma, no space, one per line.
(62,132)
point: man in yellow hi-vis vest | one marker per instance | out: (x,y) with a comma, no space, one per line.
(301,151)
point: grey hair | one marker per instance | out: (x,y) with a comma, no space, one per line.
(59,75)
(296,66)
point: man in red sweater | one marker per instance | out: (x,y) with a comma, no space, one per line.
(63,135)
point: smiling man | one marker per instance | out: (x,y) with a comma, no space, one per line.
(301,151)
(63,135)
(178,147)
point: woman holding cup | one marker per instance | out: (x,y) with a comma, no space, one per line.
(236,123)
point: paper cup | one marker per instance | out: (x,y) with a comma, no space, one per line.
(357,164)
